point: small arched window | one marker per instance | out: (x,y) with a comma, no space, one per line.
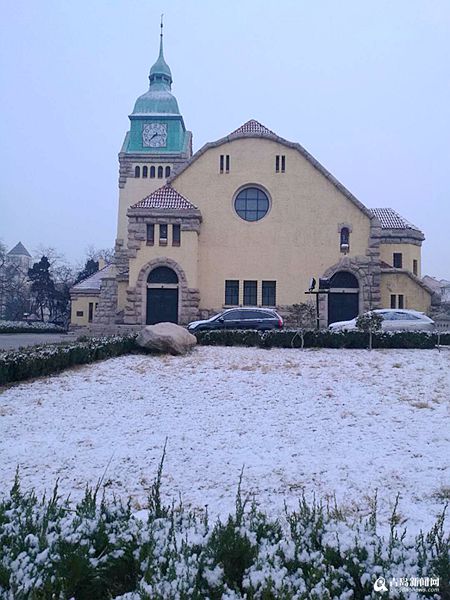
(144,171)
(160,173)
(345,239)
(152,172)
(167,171)
(137,171)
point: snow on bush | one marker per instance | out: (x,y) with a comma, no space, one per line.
(29,327)
(100,549)
(17,365)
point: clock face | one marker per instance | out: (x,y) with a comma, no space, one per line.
(154,135)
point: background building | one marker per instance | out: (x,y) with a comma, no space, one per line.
(247,220)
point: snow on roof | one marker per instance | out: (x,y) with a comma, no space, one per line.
(390,219)
(19,250)
(165,197)
(93,281)
(252,126)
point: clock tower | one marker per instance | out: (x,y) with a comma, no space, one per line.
(156,143)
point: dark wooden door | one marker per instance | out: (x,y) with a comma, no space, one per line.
(342,306)
(162,305)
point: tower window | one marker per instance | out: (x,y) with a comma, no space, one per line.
(280,163)
(160,173)
(269,293)
(224,163)
(163,235)
(398,260)
(231,292)
(250,293)
(415,267)
(393,301)
(150,234)
(176,235)
(401,301)
(137,171)
(167,171)
(145,172)
(152,172)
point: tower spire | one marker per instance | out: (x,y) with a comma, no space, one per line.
(161,38)
(160,75)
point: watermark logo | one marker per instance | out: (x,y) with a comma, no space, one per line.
(407,584)
(380,585)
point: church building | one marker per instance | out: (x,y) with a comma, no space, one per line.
(247,220)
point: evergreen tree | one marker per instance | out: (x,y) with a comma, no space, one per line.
(42,286)
(89,269)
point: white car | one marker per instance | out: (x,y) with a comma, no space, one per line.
(394,319)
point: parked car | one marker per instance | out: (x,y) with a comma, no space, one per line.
(394,319)
(240,318)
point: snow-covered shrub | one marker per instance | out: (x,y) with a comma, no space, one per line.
(17,365)
(29,327)
(290,338)
(99,549)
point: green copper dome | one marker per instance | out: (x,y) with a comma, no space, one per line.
(156,102)
(158,99)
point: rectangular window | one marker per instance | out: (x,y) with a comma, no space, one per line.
(269,293)
(415,267)
(398,260)
(401,302)
(250,292)
(224,163)
(163,235)
(91,312)
(80,313)
(231,292)
(393,303)
(150,234)
(280,163)
(176,235)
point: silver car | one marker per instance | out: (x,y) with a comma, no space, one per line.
(394,319)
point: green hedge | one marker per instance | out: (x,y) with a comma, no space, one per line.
(17,365)
(291,338)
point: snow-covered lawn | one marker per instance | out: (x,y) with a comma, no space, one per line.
(342,422)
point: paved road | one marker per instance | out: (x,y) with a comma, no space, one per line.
(8,341)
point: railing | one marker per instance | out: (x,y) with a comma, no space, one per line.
(442,325)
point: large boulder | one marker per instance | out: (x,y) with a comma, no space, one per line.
(166,337)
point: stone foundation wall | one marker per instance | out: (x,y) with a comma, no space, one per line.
(106,312)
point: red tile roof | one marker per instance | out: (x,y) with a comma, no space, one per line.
(165,198)
(252,126)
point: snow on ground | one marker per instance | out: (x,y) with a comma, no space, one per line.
(342,422)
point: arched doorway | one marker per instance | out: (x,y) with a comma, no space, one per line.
(162,296)
(343,299)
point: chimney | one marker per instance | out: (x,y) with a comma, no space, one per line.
(101,263)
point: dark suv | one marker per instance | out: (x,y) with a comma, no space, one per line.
(240,318)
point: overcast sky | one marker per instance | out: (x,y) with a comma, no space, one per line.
(362,85)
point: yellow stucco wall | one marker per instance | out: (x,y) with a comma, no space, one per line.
(415,296)
(410,252)
(296,240)
(186,255)
(136,188)
(81,303)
